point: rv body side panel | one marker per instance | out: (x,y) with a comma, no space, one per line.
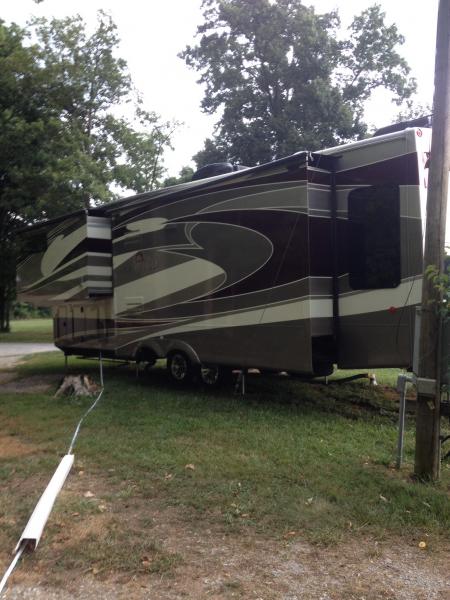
(225,272)
(84,325)
(376,326)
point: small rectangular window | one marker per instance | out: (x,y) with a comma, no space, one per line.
(374,237)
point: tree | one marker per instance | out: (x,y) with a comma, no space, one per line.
(212,152)
(413,110)
(144,168)
(27,128)
(88,81)
(184,175)
(62,146)
(282,81)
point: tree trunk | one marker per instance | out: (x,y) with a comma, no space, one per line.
(8,257)
(5,306)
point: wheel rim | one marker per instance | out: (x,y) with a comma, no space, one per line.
(179,367)
(210,375)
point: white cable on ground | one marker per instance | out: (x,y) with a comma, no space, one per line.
(77,430)
(36,523)
(11,568)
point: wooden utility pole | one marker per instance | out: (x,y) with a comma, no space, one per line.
(427,458)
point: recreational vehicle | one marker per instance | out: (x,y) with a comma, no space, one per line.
(295,265)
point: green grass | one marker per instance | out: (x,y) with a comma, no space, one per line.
(290,456)
(116,549)
(29,330)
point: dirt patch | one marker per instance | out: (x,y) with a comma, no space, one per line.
(221,565)
(9,362)
(217,566)
(7,376)
(12,447)
(33,384)
(215,563)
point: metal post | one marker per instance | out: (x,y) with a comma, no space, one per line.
(402,383)
(244,372)
(240,382)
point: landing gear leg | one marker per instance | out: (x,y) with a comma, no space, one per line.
(240,382)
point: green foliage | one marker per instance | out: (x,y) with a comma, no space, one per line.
(24,310)
(282,81)
(184,175)
(413,110)
(371,60)
(211,152)
(63,147)
(441,282)
(88,81)
(21,155)
(144,169)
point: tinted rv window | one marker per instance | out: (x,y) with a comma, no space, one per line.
(374,237)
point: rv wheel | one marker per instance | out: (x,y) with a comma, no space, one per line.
(146,356)
(210,375)
(179,367)
(214,376)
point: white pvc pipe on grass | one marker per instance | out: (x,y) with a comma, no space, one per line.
(36,523)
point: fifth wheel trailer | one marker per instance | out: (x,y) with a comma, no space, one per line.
(295,265)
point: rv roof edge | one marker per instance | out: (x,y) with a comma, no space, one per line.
(199,184)
(53,221)
(425,121)
(369,141)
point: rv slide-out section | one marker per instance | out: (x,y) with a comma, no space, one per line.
(295,265)
(381,187)
(66,263)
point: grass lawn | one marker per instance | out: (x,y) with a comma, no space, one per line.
(29,330)
(290,456)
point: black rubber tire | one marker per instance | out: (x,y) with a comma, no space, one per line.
(214,376)
(147,357)
(179,367)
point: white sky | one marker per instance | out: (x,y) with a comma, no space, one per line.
(153,32)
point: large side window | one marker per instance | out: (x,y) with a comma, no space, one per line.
(374,237)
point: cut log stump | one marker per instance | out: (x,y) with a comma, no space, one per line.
(77,385)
